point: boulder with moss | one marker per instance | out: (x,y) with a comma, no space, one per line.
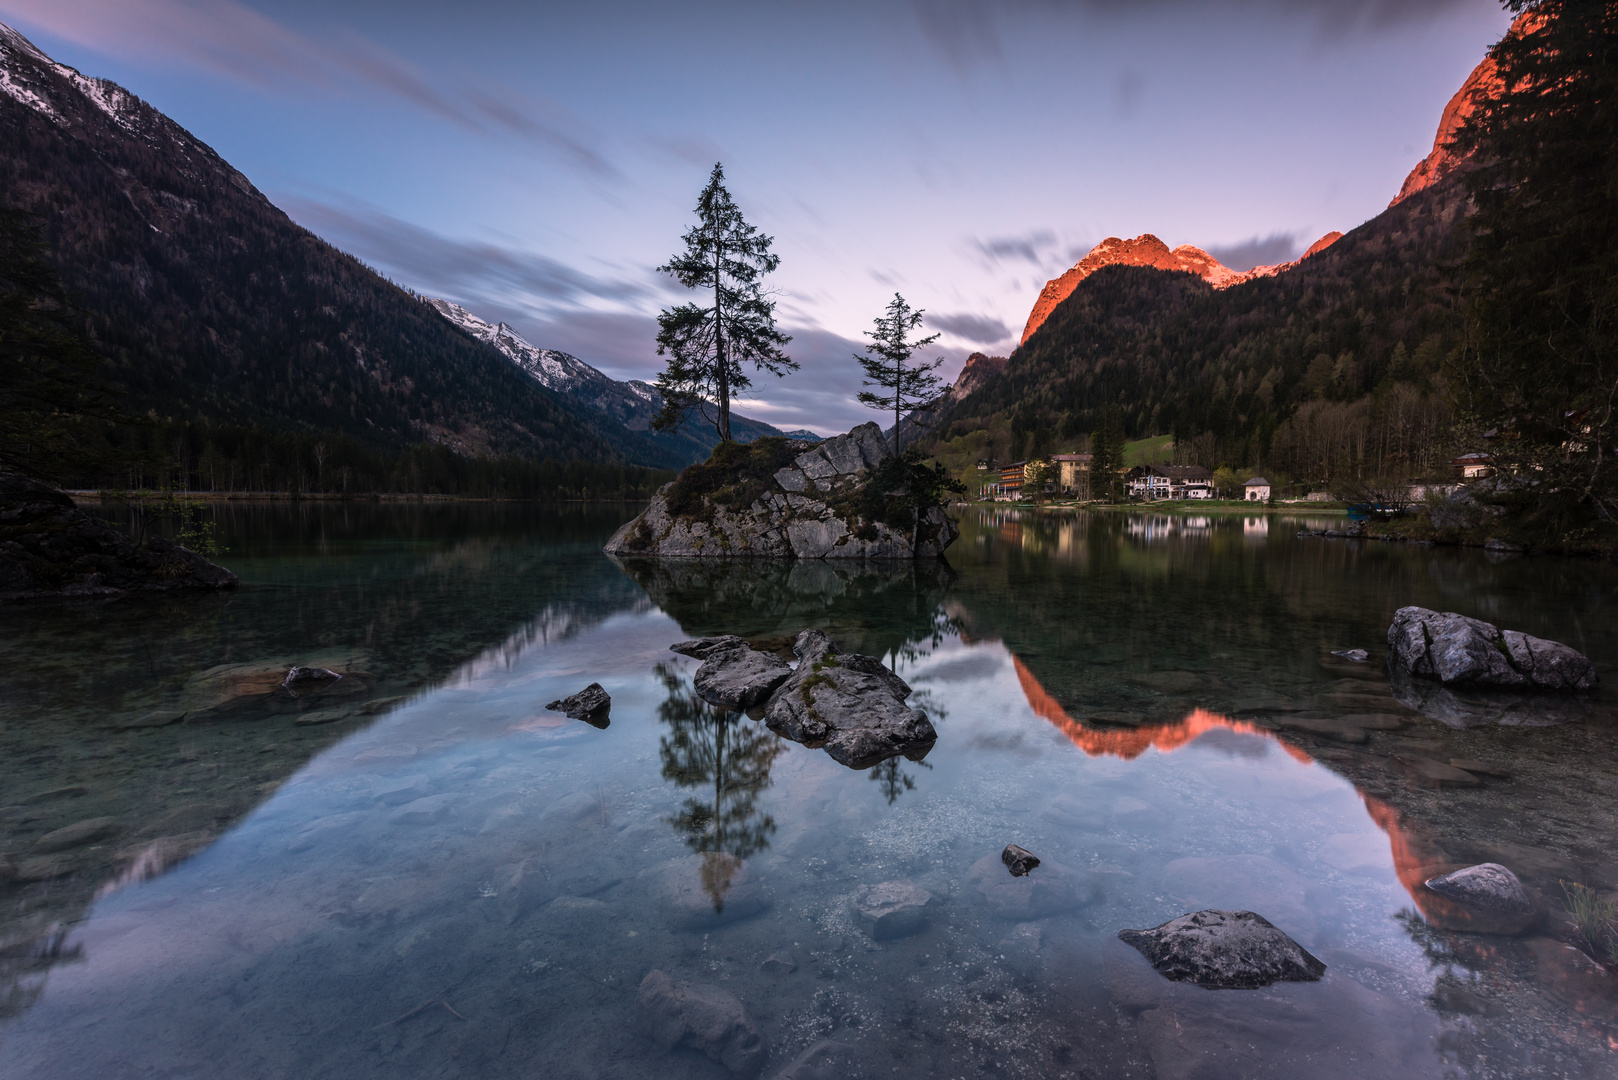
(848,497)
(49,547)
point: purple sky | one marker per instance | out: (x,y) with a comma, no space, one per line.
(535,161)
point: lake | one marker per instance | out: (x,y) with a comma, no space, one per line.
(419,870)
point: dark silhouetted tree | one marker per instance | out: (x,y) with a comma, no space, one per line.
(912,387)
(707,344)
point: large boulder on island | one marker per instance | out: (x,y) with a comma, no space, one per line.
(848,497)
(848,703)
(1459,651)
(51,548)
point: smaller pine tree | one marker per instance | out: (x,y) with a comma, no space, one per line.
(915,387)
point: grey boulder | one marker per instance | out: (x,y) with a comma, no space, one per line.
(893,909)
(704,1018)
(733,674)
(1224,950)
(1464,652)
(1049,889)
(1491,897)
(848,703)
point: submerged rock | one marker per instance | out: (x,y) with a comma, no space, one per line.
(1358,656)
(297,676)
(826,1060)
(893,909)
(1224,950)
(704,1018)
(804,511)
(1055,888)
(1492,898)
(848,703)
(1459,651)
(590,703)
(704,891)
(49,547)
(733,674)
(1018,860)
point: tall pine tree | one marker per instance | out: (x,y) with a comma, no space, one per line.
(914,387)
(708,343)
(1540,377)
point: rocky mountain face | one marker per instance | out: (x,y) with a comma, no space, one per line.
(634,403)
(1148,250)
(209,303)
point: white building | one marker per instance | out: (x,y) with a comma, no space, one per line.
(1256,490)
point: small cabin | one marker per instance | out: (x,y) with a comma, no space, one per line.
(1256,490)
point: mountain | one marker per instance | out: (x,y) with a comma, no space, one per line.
(631,404)
(212,307)
(1148,250)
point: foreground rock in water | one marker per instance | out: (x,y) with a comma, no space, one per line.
(734,674)
(802,511)
(848,703)
(49,547)
(704,1018)
(1050,888)
(890,910)
(1224,950)
(1491,899)
(1458,651)
(591,702)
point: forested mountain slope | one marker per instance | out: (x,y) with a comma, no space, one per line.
(1360,328)
(211,305)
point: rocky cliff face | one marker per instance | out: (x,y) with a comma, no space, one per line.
(802,511)
(49,547)
(1148,250)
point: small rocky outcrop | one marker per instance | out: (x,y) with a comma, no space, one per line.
(1492,899)
(751,504)
(1463,652)
(591,703)
(733,674)
(704,1018)
(1050,889)
(1224,950)
(1019,860)
(849,704)
(51,548)
(893,909)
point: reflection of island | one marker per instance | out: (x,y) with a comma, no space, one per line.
(876,608)
(728,758)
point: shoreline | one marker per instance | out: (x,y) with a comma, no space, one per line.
(81,495)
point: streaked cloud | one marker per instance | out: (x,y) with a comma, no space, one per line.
(1259,251)
(979,329)
(227,38)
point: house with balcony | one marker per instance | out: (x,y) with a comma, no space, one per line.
(1153,482)
(1073,474)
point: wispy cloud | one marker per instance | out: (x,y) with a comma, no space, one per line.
(461,269)
(979,329)
(1259,251)
(228,39)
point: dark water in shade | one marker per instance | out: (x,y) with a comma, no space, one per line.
(420,871)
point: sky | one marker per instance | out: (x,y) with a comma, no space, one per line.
(536,161)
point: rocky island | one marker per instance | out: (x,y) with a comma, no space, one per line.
(849,497)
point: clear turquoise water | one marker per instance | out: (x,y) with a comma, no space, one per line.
(465,884)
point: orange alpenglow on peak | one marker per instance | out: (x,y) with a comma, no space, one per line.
(1148,250)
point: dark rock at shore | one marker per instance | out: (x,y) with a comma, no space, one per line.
(1463,652)
(591,703)
(848,703)
(297,675)
(51,548)
(1224,950)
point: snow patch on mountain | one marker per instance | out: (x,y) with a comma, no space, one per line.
(15,80)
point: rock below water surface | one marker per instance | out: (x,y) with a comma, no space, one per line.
(848,703)
(1224,950)
(802,514)
(704,1018)
(1463,652)
(1046,890)
(1486,899)
(49,547)
(893,909)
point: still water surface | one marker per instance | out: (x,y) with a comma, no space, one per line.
(420,871)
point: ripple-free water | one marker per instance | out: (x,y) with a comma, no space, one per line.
(465,884)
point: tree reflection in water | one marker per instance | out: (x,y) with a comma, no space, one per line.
(894,780)
(729,758)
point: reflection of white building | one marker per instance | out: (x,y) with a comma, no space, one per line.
(1256,527)
(1256,490)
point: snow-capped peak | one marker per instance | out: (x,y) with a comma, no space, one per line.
(18,55)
